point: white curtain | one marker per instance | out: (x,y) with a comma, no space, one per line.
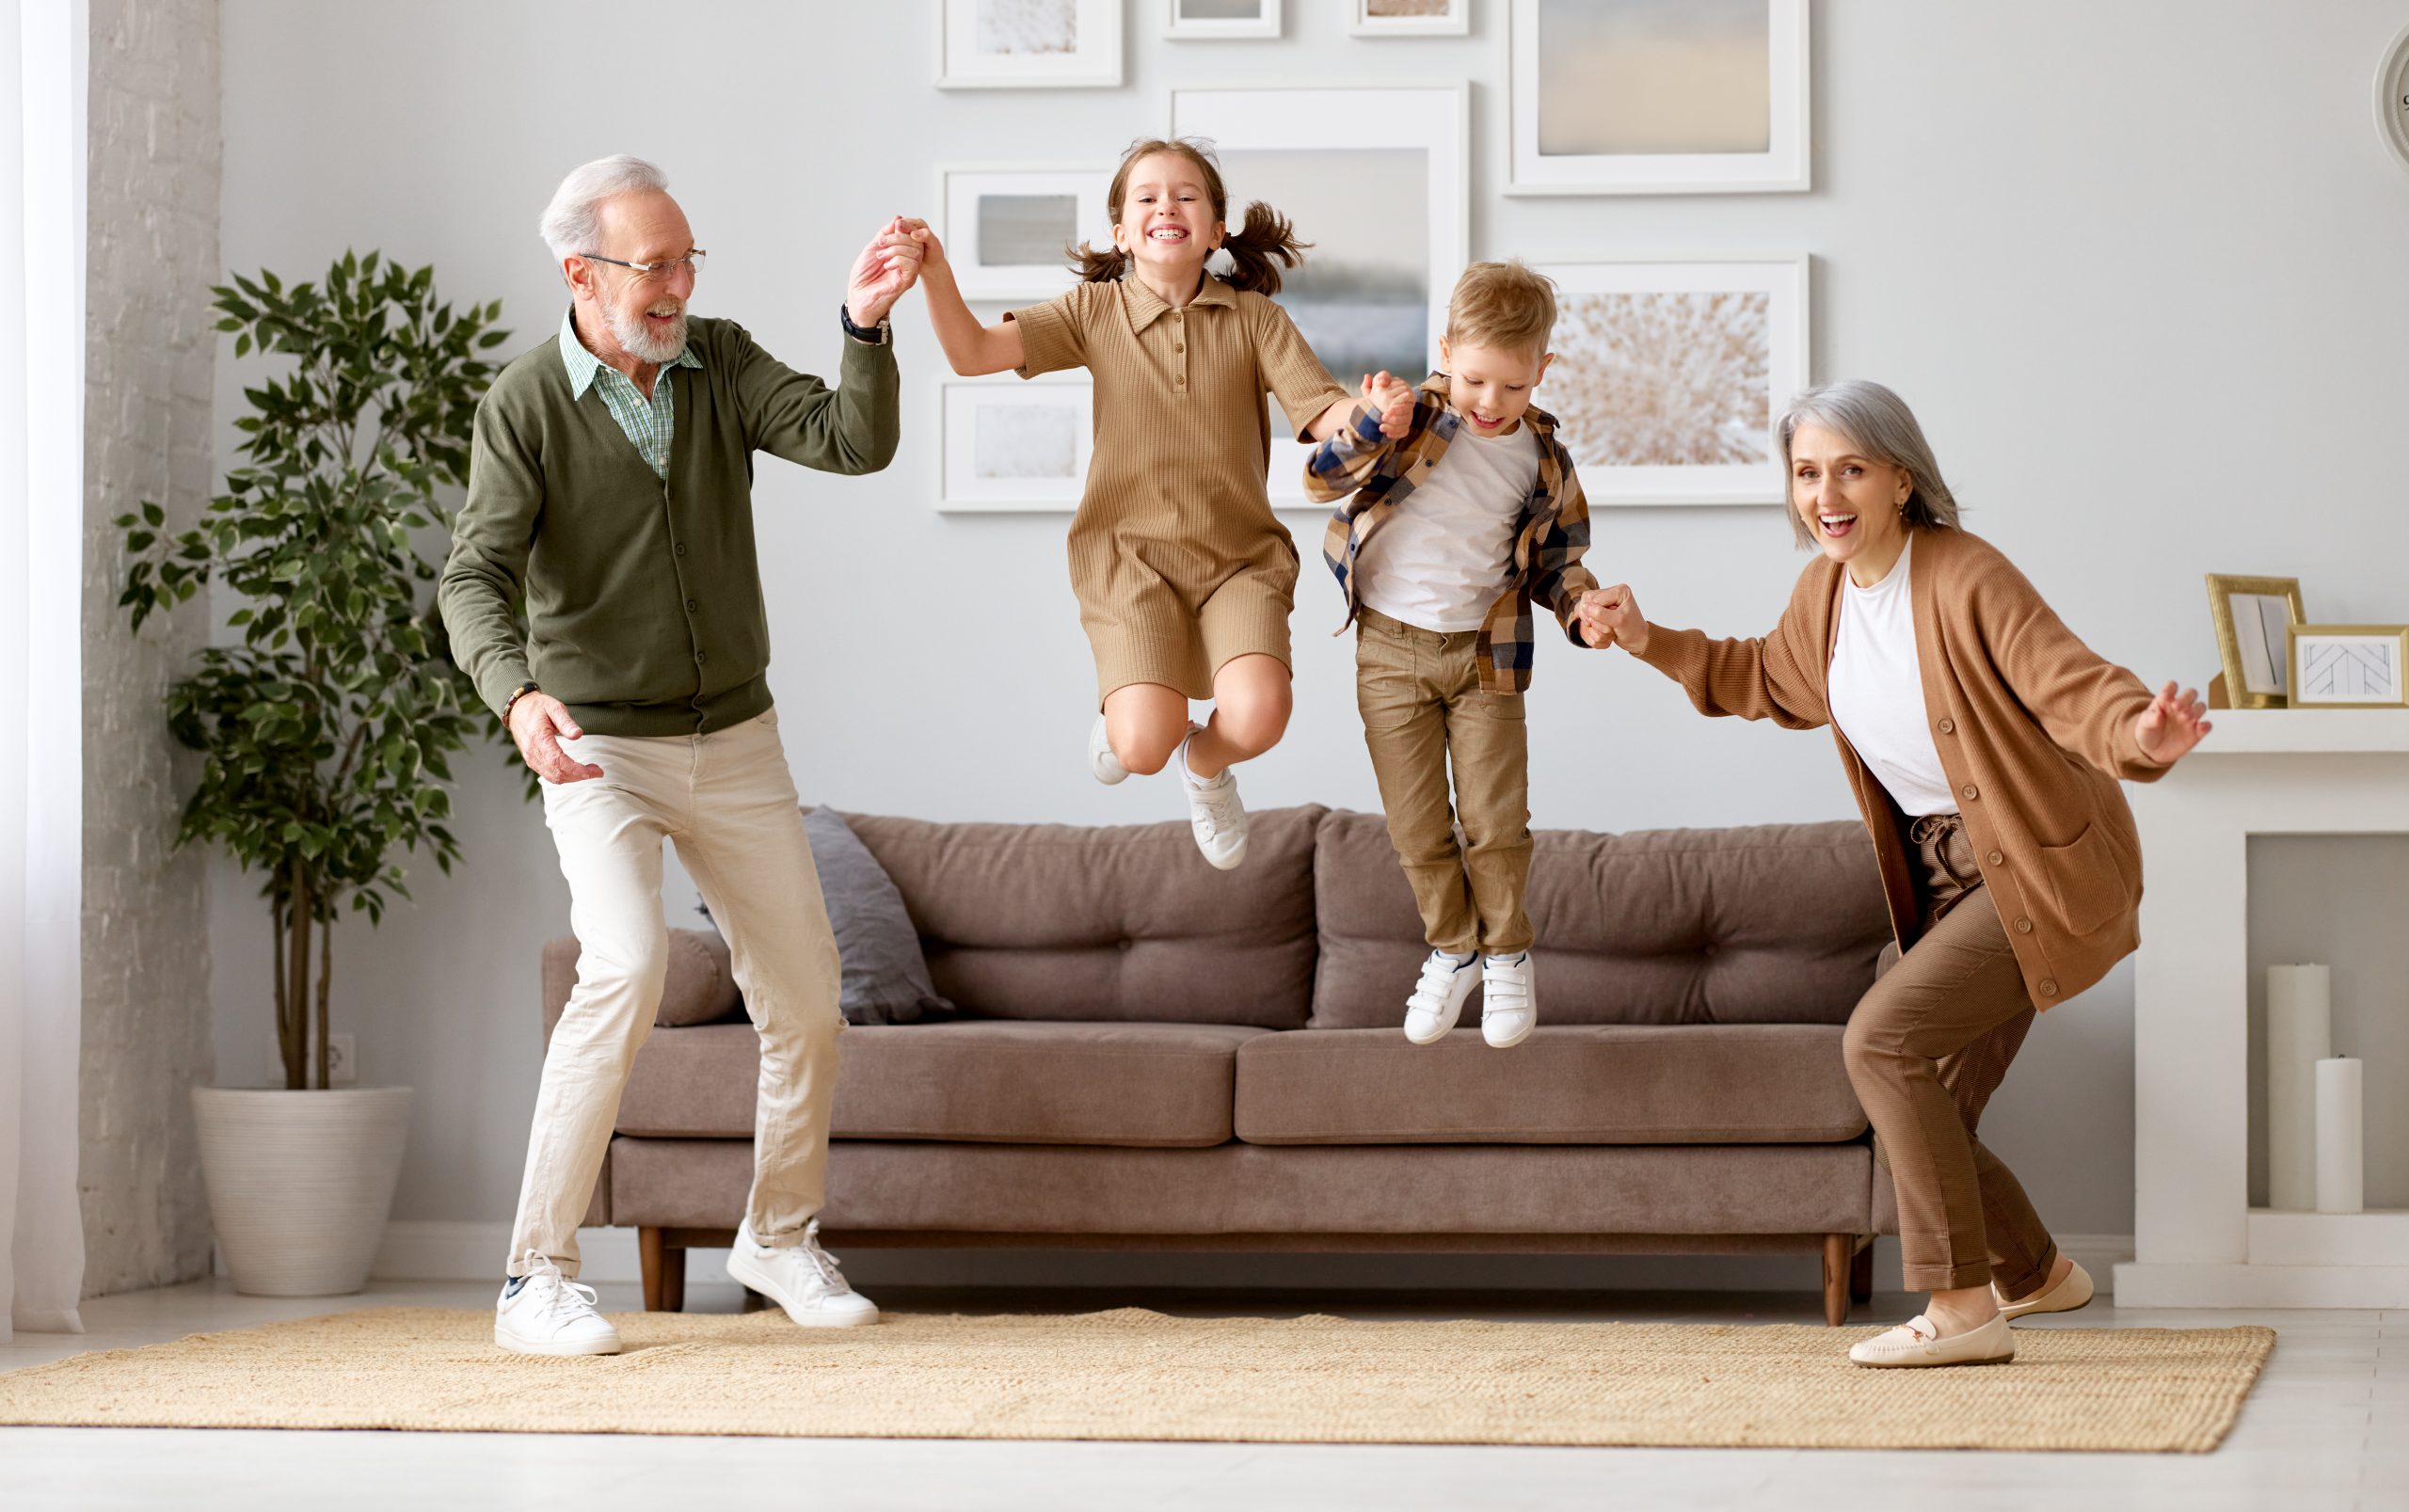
(44,48)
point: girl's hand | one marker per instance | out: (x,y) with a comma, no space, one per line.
(1393,401)
(1611,616)
(887,266)
(931,254)
(2171,725)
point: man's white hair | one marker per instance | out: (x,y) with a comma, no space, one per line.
(572,223)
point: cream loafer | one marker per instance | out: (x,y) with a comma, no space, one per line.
(2067,1294)
(1913,1343)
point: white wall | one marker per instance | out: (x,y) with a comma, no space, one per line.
(2137,266)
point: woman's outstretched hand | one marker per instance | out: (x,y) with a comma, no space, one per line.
(1610,617)
(2171,725)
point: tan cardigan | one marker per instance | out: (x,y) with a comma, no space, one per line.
(2033,730)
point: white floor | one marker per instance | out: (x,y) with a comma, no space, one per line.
(2327,1428)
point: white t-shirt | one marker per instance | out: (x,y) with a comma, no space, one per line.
(1444,556)
(1876,692)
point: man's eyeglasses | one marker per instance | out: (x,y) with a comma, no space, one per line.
(691,263)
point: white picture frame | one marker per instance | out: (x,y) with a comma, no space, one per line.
(1298,136)
(1012,45)
(1021,259)
(1565,136)
(1179,25)
(1620,324)
(1014,446)
(1453,18)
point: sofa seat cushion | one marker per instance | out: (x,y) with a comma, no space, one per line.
(1584,1084)
(977,1080)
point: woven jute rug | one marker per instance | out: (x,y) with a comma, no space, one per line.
(1138,1375)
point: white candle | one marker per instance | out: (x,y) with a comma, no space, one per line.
(2300,1033)
(2342,1151)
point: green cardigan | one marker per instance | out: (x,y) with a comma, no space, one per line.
(643,594)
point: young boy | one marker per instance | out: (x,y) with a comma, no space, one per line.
(1444,538)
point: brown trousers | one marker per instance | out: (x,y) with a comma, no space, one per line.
(1424,711)
(1925,1049)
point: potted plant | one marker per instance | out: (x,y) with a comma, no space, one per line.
(326,729)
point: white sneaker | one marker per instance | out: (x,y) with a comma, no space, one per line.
(1509,1000)
(1439,996)
(1214,812)
(1101,760)
(800,1278)
(544,1313)
(2067,1294)
(1915,1342)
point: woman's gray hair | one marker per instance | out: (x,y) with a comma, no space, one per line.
(572,223)
(1878,424)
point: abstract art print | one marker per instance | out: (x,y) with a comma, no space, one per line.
(1002,44)
(1411,18)
(1008,231)
(1014,446)
(1221,20)
(1375,180)
(1667,375)
(2349,666)
(1658,96)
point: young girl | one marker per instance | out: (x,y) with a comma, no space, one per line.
(1184,578)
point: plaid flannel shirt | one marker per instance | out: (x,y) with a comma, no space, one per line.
(1372,476)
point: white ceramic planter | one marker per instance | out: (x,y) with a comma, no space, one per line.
(300,1183)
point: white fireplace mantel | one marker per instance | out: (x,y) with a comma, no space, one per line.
(2196,1240)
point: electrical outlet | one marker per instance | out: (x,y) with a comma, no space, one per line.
(343,1061)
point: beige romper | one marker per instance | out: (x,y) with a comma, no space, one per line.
(1176,559)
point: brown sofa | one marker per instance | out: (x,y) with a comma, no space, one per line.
(1156,1054)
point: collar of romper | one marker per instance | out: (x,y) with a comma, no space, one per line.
(1146,306)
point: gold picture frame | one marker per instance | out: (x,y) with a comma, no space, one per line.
(2255,650)
(2348,666)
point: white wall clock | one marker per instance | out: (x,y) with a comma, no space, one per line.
(2392,97)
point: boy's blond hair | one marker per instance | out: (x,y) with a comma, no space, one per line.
(1502,305)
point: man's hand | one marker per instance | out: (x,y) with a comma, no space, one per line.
(539,723)
(2171,725)
(888,265)
(1610,617)
(1393,401)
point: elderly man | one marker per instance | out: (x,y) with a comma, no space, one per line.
(611,486)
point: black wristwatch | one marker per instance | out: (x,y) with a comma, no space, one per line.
(878,335)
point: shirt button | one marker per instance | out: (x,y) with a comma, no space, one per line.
(1996,859)
(698,657)
(1967,791)
(1948,725)
(681,549)
(2023,925)
(691,606)
(2048,986)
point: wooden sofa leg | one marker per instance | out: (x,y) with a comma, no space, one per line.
(664,1271)
(1838,1254)
(1861,1274)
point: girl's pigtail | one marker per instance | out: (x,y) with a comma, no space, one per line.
(1265,244)
(1094,267)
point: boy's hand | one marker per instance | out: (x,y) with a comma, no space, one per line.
(1393,401)
(1611,616)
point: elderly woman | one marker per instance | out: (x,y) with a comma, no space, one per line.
(1984,742)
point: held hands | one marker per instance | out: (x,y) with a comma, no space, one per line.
(1611,616)
(539,723)
(2171,725)
(888,265)
(1392,399)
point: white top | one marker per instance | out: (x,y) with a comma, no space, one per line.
(1444,556)
(1876,693)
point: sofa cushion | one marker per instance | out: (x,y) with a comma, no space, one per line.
(1020,1082)
(1770,924)
(1621,1084)
(1126,923)
(883,975)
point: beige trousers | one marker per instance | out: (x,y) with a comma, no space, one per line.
(1424,711)
(728,803)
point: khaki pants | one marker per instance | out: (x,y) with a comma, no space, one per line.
(728,803)
(1424,711)
(1925,1049)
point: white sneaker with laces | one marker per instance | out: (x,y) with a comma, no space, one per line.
(1509,1000)
(544,1313)
(802,1278)
(1918,1341)
(1439,996)
(1101,760)
(1214,812)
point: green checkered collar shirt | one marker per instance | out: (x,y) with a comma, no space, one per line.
(650,424)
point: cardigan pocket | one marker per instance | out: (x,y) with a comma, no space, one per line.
(2087,879)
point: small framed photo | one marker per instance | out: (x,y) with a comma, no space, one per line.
(1658,97)
(1015,447)
(1411,18)
(1667,375)
(2349,666)
(1008,232)
(1199,21)
(2253,618)
(1028,45)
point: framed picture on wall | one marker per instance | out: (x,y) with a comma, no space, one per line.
(2348,666)
(1028,45)
(1411,18)
(1221,20)
(1375,177)
(1658,96)
(1015,446)
(1008,231)
(2254,617)
(1667,375)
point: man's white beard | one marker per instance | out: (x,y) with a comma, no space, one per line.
(636,338)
